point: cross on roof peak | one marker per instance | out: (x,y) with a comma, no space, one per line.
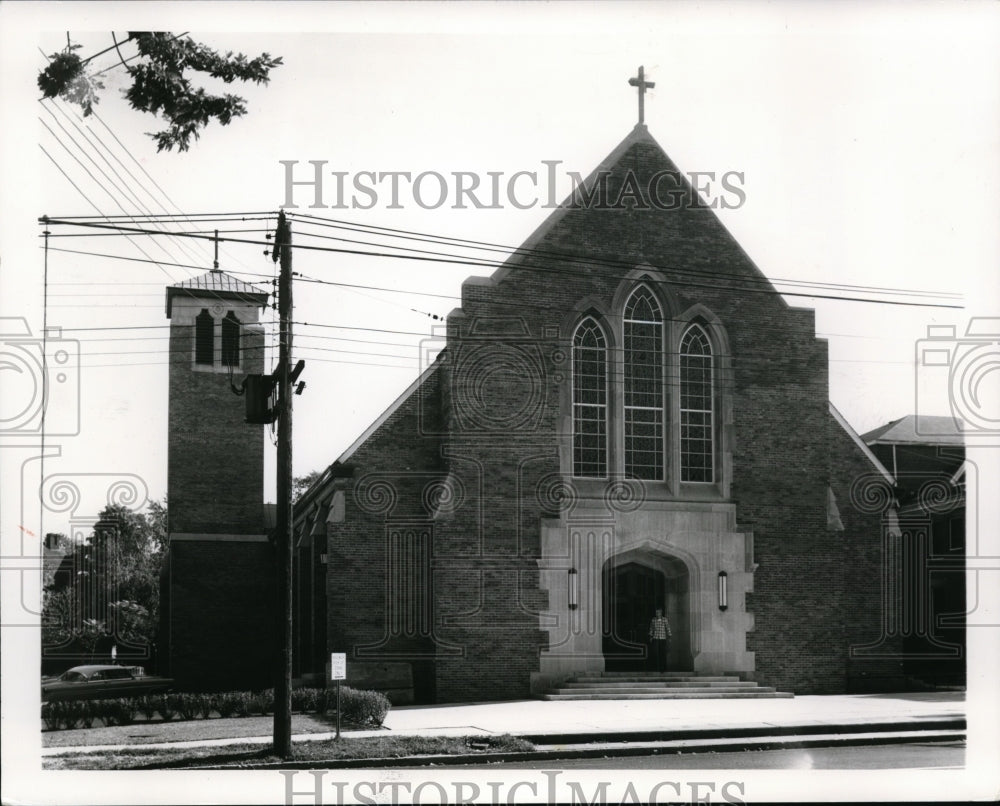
(640,82)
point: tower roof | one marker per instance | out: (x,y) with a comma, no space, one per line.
(215,284)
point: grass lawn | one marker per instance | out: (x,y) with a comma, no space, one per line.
(145,732)
(248,755)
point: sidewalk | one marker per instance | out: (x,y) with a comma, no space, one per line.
(589,721)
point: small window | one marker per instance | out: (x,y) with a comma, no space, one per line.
(230,341)
(204,338)
(590,401)
(697,407)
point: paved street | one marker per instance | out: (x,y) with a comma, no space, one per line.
(930,756)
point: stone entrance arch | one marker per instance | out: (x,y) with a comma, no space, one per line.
(686,544)
(635,583)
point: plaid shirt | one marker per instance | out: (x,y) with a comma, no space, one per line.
(659,629)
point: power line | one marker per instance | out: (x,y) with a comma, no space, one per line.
(183,245)
(761,282)
(87,199)
(96,181)
(483,264)
(156,184)
(142,260)
(564,256)
(466,243)
(141,206)
(442,239)
(301,278)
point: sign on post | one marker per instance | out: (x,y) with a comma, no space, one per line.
(338,672)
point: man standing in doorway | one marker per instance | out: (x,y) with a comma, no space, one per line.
(659,637)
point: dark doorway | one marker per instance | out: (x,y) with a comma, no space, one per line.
(632,592)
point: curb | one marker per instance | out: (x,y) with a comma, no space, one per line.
(768,742)
(942,723)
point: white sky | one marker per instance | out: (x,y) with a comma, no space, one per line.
(867,135)
(868,152)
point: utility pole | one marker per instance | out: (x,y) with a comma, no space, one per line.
(283,542)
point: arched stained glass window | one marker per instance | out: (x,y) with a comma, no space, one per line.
(697,406)
(642,344)
(590,401)
(230,341)
(204,338)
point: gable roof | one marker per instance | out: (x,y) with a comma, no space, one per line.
(215,284)
(916,429)
(392,409)
(640,133)
(639,154)
(859,441)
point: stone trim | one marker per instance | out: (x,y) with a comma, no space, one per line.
(221,538)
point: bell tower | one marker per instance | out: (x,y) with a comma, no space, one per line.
(217,607)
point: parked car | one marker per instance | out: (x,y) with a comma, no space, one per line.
(102,682)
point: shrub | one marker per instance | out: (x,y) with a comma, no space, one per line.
(360,707)
(175,702)
(127,711)
(327,701)
(68,714)
(187,705)
(86,714)
(105,709)
(244,703)
(62,714)
(227,703)
(363,708)
(206,704)
(304,699)
(116,712)
(50,715)
(165,705)
(147,707)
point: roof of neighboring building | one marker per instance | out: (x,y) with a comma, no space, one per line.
(916,429)
(216,283)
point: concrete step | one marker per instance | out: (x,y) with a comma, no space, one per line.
(642,678)
(674,685)
(653,682)
(649,673)
(668,694)
(614,692)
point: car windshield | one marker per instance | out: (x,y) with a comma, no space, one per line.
(72,677)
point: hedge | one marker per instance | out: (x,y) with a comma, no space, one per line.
(357,707)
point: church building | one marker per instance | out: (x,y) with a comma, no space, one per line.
(626,416)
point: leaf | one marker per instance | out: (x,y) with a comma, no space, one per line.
(161,85)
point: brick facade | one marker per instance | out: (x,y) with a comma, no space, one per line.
(443,556)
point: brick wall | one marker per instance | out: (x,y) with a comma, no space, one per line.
(215,461)
(221,615)
(387,506)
